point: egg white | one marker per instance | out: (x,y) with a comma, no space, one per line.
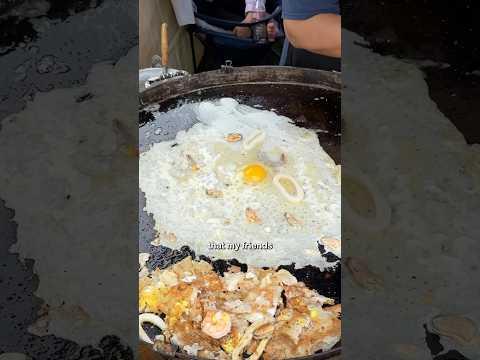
(176,193)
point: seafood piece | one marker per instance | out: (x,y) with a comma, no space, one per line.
(246,339)
(259,350)
(251,348)
(292,220)
(252,216)
(234,137)
(216,324)
(255,139)
(456,327)
(151,319)
(289,187)
(214,193)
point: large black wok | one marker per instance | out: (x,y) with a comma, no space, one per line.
(310,97)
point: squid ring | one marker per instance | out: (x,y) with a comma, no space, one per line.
(260,349)
(246,339)
(283,182)
(256,138)
(151,319)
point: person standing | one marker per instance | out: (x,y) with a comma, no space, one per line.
(313,30)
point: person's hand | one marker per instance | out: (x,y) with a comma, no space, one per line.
(244,31)
(272,30)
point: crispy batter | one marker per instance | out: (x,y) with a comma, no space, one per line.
(252,317)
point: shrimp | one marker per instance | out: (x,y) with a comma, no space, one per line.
(217,324)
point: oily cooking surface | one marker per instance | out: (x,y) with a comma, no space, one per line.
(310,107)
(204,189)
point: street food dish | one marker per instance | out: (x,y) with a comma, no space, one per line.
(258,314)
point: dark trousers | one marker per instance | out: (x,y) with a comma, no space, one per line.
(306,59)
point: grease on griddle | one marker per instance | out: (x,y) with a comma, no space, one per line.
(162,257)
(145,117)
(329,256)
(84,97)
(221,266)
(433,341)
(451,355)
(325,282)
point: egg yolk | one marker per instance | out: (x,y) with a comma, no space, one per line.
(254,174)
(149,298)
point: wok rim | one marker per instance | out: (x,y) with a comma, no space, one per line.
(319,356)
(246,75)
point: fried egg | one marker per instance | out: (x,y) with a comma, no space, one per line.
(246,176)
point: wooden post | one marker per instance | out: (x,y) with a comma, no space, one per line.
(164,45)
